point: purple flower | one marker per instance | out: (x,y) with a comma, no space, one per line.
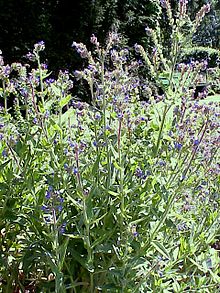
(97,116)
(35,121)
(44,208)
(48,194)
(24,92)
(139,173)
(178,145)
(50,188)
(163,3)
(135,234)
(40,46)
(47,114)
(207,7)
(30,56)
(196,142)
(44,66)
(120,115)
(4,153)
(59,208)
(81,49)
(134,231)
(62,228)
(50,80)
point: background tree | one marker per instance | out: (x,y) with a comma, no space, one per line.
(60,22)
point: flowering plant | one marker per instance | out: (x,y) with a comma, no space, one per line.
(120,195)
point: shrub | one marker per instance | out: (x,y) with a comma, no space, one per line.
(119,195)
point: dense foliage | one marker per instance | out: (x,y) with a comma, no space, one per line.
(119,195)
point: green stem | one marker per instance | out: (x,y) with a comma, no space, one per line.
(41,80)
(73,290)
(5,97)
(121,179)
(58,277)
(104,122)
(166,109)
(162,220)
(87,224)
(88,246)
(194,151)
(175,54)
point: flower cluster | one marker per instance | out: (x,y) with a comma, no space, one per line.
(82,50)
(54,200)
(202,12)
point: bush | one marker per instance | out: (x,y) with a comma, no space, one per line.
(120,195)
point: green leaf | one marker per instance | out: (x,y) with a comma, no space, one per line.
(95,167)
(176,253)
(89,208)
(117,166)
(176,287)
(113,193)
(68,115)
(76,203)
(160,248)
(201,268)
(56,90)
(2,166)
(102,238)
(64,101)
(80,259)
(62,252)
(96,221)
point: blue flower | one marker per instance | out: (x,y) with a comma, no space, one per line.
(50,188)
(162,163)
(97,116)
(178,145)
(44,208)
(47,114)
(61,200)
(59,207)
(48,194)
(35,120)
(50,80)
(163,3)
(4,153)
(62,228)
(120,115)
(139,173)
(196,142)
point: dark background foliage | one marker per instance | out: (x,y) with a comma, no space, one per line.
(60,22)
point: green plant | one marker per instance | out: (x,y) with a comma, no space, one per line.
(120,195)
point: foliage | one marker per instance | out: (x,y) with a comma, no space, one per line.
(119,195)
